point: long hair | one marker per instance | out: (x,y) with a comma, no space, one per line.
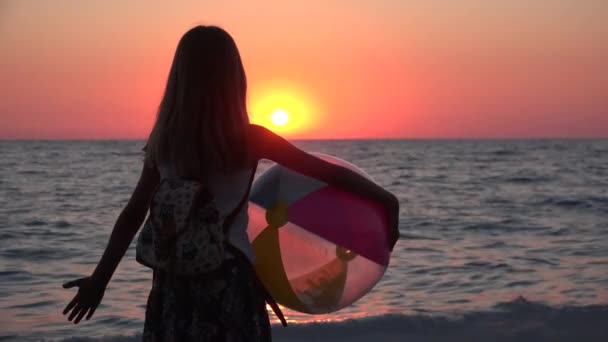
(202,118)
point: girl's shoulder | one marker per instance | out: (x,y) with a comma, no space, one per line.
(255,138)
(257,132)
(254,133)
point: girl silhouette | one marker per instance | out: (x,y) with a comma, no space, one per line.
(202,131)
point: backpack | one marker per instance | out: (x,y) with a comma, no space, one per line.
(184,234)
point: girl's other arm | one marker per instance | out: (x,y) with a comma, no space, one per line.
(91,289)
(128,223)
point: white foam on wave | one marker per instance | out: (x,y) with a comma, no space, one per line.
(518,320)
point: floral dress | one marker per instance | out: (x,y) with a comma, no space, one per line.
(224,306)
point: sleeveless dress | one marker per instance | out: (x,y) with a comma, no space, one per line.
(224,306)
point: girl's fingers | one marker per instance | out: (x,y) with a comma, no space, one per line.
(395,235)
(91,311)
(80,315)
(74,312)
(70,305)
(72,283)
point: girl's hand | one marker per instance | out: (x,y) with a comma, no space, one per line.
(393,222)
(90,293)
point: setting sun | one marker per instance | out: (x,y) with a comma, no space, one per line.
(284,108)
(279,117)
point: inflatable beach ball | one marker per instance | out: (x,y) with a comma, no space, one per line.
(318,249)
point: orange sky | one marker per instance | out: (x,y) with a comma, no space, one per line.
(355,68)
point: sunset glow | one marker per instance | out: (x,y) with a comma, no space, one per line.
(284,108)
(365,69)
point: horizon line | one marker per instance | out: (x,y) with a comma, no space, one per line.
(335,139)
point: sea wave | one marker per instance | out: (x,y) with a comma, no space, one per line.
(518,320)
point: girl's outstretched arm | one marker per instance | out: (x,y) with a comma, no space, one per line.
(128,223)
(92,288)
(269,145)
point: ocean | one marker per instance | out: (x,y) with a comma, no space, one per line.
(502,240)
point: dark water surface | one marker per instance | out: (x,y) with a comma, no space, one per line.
(484,222)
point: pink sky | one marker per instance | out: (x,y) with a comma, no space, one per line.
(363,69)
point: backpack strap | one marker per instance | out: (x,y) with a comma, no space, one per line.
(244,261)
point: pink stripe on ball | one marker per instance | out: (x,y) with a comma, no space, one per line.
(347,220)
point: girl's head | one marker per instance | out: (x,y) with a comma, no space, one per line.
(202,118)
